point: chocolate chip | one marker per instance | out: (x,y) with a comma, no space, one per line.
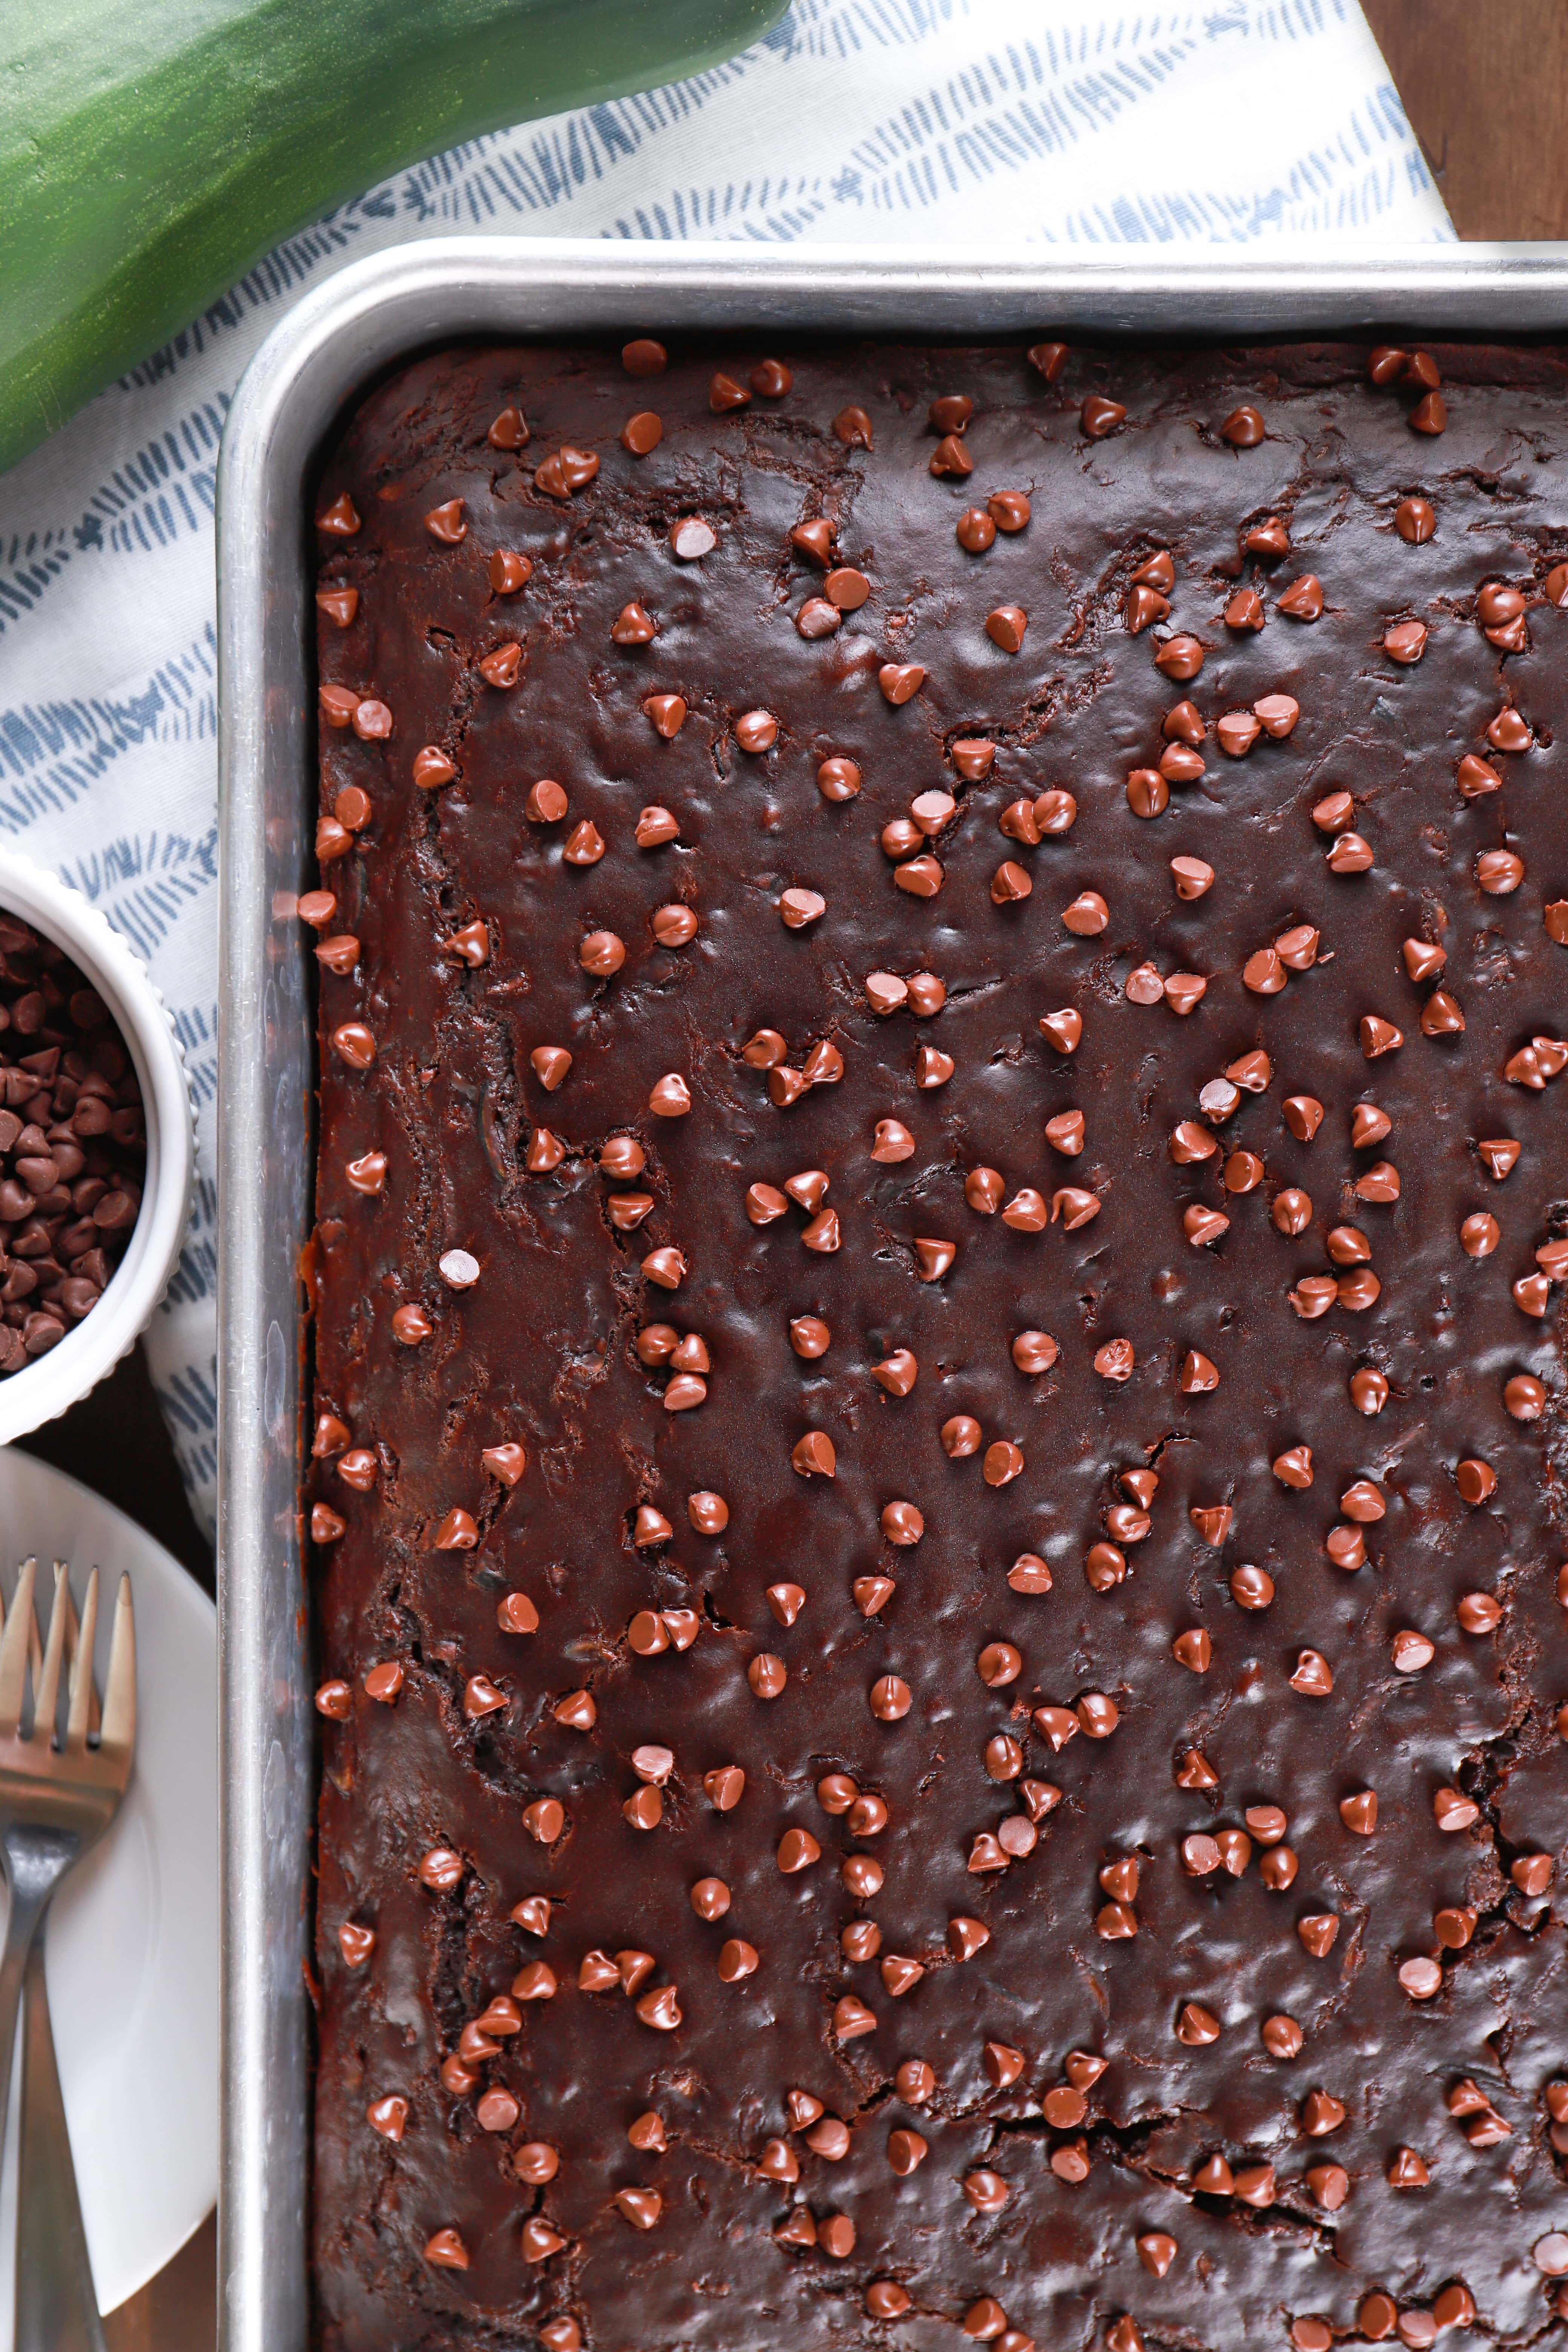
(1378,1037)
(1313,1677)
(1180,657)
(338,521)
(340,954)
(889,1698)
(846,589)
(1476,1480)
(1193,877)
(1496,605)
(634,625)
(1415,519)
(901,1524)
(899,680)
(1251,1588)
(1524,1397)
(565,472)
(642,433)
(932,812)
(892,1141)
(1148,794)
(601,954)
(1145,606)
(691,538)
(585,845)
(1237,733)
(951,412)
(799,909)
(1243,428)
(669,1097)
(922,877)
(756,731)
(767,1676)
(1500,872)
(508,431)
(510,572)
(353,1045)
(1087,915)
(1475,778)
(448,522)
(1303,600)
(546,803)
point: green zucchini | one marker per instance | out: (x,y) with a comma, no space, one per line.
(150,150)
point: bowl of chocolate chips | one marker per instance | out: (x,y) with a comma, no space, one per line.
(97,1147)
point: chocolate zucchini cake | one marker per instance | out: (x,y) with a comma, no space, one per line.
(938,1468)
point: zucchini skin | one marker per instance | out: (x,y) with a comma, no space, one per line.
(152,150)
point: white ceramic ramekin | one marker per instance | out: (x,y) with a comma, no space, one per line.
(51,1382)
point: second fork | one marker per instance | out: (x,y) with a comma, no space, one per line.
(56,1801)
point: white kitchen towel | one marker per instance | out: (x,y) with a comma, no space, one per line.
(1060,122)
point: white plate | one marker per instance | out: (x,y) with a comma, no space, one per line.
(134,1932)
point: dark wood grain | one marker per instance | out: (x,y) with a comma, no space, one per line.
(1485,83)
(177,2311)
(114,1441)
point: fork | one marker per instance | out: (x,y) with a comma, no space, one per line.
(56,1801)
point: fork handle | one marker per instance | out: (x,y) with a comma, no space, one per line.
(28,1903)
(56,2308)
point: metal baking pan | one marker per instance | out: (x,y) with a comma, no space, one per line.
(331,345)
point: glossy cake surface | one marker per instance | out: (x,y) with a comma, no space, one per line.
(942,1201)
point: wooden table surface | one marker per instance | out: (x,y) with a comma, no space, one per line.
(1485,83)
(1485,88)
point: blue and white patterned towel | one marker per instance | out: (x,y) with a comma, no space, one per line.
(1068,122)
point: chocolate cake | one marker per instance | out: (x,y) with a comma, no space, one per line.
(937,1474)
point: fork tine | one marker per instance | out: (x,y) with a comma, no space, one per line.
(47,1689)
(81,1692)
(119,1688)
(71,1646)
(14,1648)
(35,1647)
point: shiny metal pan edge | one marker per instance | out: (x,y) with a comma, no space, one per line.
(332,343)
